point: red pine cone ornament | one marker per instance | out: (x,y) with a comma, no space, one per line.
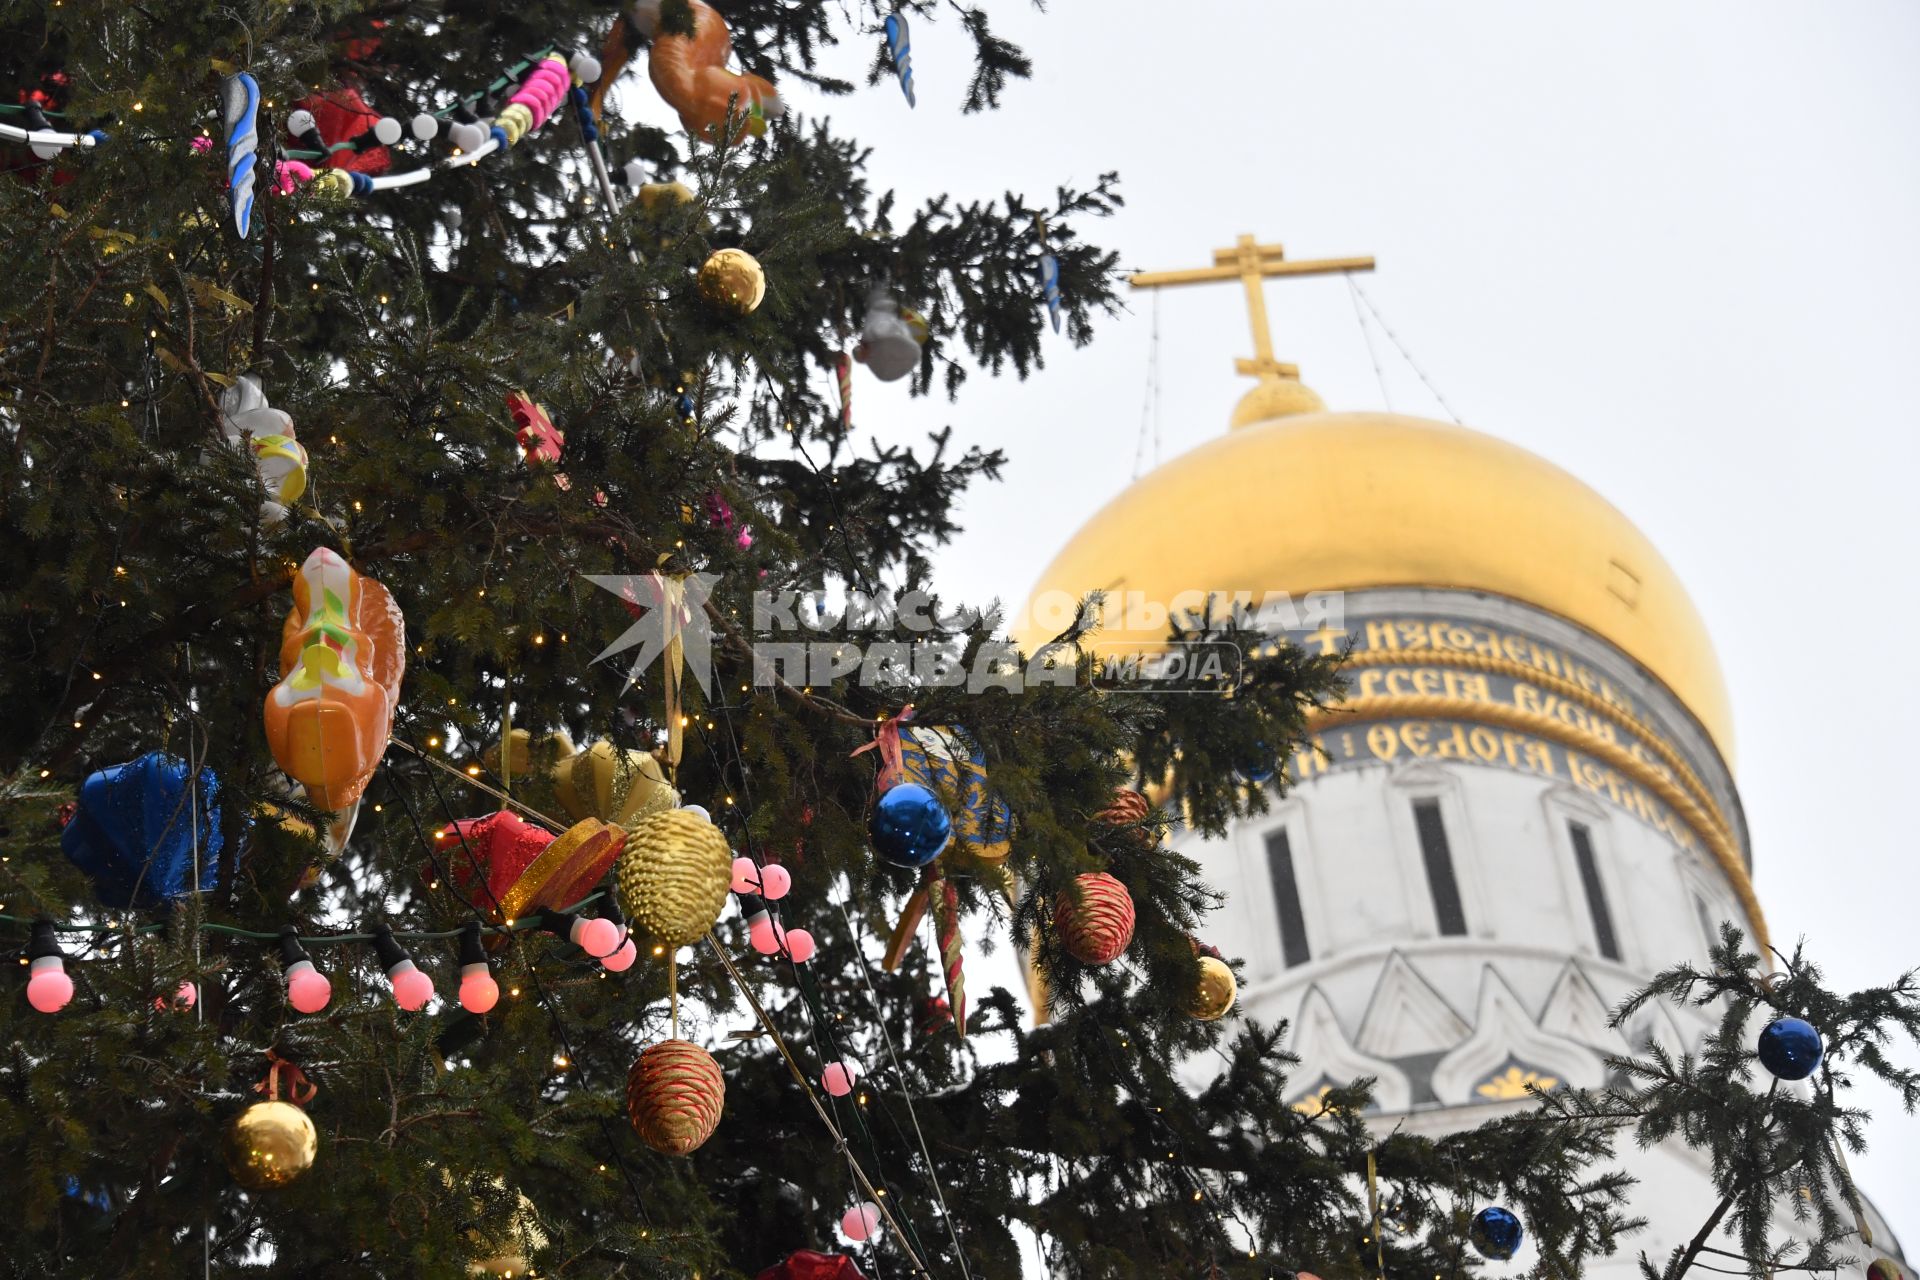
(1095,918)
(674,1096)
(1129,809)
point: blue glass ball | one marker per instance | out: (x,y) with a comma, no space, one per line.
(909,827)
(1256,770)
(1791,1048)
(1495,1233)
(1261,767)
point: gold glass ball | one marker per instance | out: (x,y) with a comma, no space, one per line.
(1213,994)
(270,1144)
(733,280)
(658,197)
(509,1246)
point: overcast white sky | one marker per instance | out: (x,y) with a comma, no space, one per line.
(1671,247)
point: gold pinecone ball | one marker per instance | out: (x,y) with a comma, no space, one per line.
(733,280)
(1213,994)
(270,1144)
(672,879)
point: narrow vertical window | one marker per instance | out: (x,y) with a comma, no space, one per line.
(1603,933)
(1286,899)
(1439,859)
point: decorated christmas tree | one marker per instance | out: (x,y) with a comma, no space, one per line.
(489,783)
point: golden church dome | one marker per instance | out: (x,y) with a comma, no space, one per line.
(1316,501)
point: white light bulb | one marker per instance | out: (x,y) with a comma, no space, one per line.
(426,127)
(467,137)
(387,130)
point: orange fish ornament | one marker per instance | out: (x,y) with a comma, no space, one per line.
(342,653)
(691,72)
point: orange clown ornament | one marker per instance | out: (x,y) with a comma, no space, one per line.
(342,653)
(690,72)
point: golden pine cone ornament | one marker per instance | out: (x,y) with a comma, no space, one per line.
(1214,993)
(1095,918)
(733,280)
(675,1094)
(674,875)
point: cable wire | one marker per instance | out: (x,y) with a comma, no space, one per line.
(1402,348)
(1366,333)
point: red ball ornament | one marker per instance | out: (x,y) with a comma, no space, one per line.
(1095,918)
(674,1096)
(935,1015)
(808,1265)
(184,997)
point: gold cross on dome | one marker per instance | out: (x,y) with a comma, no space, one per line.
(1251,263)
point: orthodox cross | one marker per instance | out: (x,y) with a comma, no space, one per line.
(1251,263)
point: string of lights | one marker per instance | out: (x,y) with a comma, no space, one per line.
(838,1073)
(543,93)
(901,1233)
(624,956)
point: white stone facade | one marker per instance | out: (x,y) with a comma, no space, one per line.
(1572,880)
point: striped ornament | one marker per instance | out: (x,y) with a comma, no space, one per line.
(1129,809)
(675,1093)
(1095,918)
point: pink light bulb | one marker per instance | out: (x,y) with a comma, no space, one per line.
(186,997)
(775,880)
(763,935)
(411,988)
(598,938)
(746,876)
(839,1076)
(622,960)
(478,991)
(307,988)
(49,988)
(800,945)
(860,1221)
